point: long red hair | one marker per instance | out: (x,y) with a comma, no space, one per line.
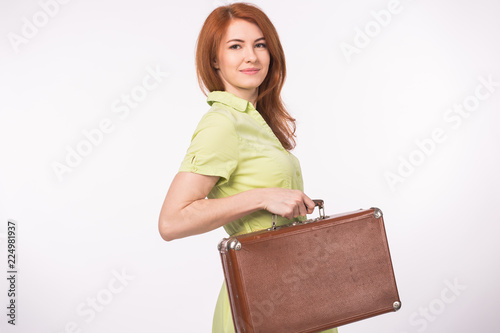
(270,104)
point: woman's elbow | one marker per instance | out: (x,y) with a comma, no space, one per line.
(167,232)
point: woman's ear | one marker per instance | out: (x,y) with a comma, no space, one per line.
(214,64)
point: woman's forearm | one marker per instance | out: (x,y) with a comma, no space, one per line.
(203,215)
(186,211)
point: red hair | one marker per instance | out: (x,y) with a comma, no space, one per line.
(271,106)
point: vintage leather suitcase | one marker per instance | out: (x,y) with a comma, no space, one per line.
(310,276)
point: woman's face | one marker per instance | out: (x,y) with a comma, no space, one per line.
(243,59)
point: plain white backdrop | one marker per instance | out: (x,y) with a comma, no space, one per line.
(396,104)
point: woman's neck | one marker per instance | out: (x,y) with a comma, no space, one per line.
(246,94)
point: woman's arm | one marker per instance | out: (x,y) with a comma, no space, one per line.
(186,211)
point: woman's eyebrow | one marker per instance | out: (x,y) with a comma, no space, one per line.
(242,41)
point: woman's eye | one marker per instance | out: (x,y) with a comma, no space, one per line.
(234,47)
(261,45)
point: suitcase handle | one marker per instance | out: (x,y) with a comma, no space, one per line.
(317,202)
(321,206)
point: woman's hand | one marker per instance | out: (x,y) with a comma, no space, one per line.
(287,203)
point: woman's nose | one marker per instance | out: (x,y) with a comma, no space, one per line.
(250,55)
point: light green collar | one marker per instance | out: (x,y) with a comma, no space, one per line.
(229,99)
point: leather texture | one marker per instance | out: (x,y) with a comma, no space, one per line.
(310,277)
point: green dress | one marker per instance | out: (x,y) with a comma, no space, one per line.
(234,142)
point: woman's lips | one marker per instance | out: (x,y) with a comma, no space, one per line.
(250,71)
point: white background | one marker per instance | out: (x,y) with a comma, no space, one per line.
(358,118)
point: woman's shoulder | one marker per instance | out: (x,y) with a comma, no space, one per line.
(217,121)
(219,115)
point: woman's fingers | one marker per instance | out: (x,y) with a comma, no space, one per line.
(302,209)
(289,203)
(306,205)
(309,204)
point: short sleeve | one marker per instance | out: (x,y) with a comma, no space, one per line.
(214,148)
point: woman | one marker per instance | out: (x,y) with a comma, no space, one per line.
(238,170)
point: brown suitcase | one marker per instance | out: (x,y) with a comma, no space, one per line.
(310,276)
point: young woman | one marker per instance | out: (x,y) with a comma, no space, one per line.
(238,170)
